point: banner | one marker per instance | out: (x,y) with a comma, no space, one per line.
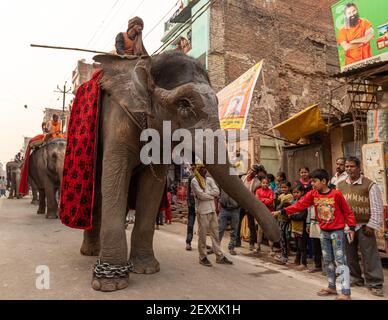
(235,99)
(361,28)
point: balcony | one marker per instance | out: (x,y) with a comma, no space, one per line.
(182,15)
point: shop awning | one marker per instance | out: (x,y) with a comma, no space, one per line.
(302,124)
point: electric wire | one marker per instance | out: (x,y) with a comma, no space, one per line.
(186,26)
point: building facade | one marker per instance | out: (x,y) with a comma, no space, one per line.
(82,73)
(297,41)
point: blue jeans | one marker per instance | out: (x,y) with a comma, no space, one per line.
(234,216)
(333,251)
(190,224)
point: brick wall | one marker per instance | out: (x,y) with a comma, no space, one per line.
(296,39)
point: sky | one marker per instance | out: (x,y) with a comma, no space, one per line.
(29,76)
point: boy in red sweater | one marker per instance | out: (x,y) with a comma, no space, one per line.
(332,212)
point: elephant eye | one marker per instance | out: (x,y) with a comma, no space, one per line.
(185,103)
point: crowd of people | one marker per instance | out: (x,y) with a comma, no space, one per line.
(331,219)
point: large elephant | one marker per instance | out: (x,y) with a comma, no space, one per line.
(13,178)
(45,171)
(140,94)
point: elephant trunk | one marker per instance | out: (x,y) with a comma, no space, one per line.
(235,188)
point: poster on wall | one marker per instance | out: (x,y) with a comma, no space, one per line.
(235,99)
(361,28)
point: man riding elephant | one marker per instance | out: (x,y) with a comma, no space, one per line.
(131,42)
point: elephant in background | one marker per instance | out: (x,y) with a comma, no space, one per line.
(140,94)
(45,172)
(13,169)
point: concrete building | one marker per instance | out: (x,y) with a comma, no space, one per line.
(2,171)
(82,73)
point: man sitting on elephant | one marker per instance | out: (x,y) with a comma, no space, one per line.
(131,42)
(54,127)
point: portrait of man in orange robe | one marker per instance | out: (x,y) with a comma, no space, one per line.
(355,36)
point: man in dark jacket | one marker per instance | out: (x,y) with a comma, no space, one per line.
(230,210)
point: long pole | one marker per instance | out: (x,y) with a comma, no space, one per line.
(92,51)
(67,48)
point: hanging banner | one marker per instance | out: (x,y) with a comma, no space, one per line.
(361,28)
(235,99)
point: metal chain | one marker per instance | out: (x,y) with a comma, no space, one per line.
(108,271)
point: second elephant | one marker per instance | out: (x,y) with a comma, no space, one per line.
(45,172)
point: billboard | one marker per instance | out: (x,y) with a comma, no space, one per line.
(361,28)
(235,99)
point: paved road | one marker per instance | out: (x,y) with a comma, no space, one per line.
(28,240)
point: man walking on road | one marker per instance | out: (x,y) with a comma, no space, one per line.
(364,198)
(205,191)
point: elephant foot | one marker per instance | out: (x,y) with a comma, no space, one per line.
(90,249)
(51,216)
(144,264)
(41,211)
(10,198)
(35,202)
(110,285)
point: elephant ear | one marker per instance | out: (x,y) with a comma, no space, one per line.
(128,82)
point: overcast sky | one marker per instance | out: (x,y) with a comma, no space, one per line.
(29,76)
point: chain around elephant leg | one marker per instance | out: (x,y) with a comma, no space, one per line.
(108,278)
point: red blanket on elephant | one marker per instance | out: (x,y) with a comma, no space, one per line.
(23,188)
(77,190)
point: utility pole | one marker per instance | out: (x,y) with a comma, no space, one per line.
(64,92)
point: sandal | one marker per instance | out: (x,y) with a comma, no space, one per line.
(324,292)
(378,292)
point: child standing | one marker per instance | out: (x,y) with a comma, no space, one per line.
(332,214)
(285,199)
(266,196)
(298,228)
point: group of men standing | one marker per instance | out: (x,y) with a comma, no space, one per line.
(362,195)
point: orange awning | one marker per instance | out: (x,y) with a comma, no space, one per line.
(302,124)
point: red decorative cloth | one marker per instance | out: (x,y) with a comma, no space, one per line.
(77,190)
(23,187)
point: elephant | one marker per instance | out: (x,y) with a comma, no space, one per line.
(139,94)
(45,171)
(13,169)
(35,193)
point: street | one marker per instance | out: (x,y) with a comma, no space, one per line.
(28,240)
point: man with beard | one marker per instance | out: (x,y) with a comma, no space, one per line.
(131,42)
(355,35)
